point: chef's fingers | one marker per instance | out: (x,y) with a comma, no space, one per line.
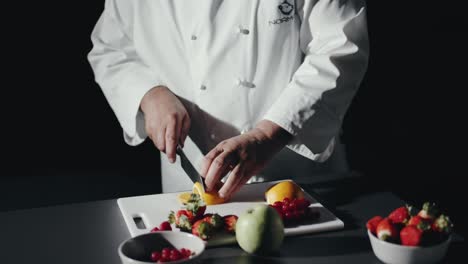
(208,159)
(184,129)
(172,137)
(234,178)
(239,185)
(218,168)
(158,139)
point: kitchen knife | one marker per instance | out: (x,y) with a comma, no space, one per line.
(189,168)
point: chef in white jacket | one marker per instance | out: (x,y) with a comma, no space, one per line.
(260,86)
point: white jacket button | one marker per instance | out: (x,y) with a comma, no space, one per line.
(193,37)
(203,87)
(242,30)
(248,84)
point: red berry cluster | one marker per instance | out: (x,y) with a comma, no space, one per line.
(295,210)
(170,254)
(164,226)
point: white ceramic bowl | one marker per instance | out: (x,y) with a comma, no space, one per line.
(137,250)
(391,253)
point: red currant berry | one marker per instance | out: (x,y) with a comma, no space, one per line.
(155,256)
(165,226)
(166,251)
(175,255)
(292,207)
(278,203)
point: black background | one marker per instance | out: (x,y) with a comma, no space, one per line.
(61,142)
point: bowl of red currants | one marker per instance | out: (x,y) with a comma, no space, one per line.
(162,247)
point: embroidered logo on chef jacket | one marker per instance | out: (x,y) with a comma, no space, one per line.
(286,9)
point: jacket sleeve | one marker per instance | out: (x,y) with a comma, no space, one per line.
(122,75)
(334,41)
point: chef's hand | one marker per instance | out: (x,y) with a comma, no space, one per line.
(244,155)
(167,122)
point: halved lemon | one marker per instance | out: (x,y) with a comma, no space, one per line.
(285,189)
(209,198)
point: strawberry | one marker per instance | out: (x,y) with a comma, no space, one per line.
(182,219)
(215,219)
(386,230)
(442,224)
(400,215)
(429,211)
(419,222)
(372,223)
(196,205)
(230,223)
(203,229)
(411,236)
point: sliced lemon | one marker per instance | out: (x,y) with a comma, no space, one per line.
(285,189)
(184,197)
(209,198)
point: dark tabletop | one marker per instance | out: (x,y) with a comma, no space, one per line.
(91,232)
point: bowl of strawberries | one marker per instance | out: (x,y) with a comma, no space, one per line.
(408,236)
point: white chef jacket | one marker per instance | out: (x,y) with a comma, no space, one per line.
(233,63)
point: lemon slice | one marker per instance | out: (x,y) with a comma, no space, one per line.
(209,198)
(184,197)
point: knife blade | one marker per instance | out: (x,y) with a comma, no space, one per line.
(188,167)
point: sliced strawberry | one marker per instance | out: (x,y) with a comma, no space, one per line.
(429,211)
(196,205)
(386,230)
(182,219)
(411,236)
(215,219)
(400,215)
(372,223)
(230,223)
(203,229)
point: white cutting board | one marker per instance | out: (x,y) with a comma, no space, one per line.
(154,209)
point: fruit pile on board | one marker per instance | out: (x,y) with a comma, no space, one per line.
(171,254)
(258,230)
(192,219)
(288,200)
(409,228)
